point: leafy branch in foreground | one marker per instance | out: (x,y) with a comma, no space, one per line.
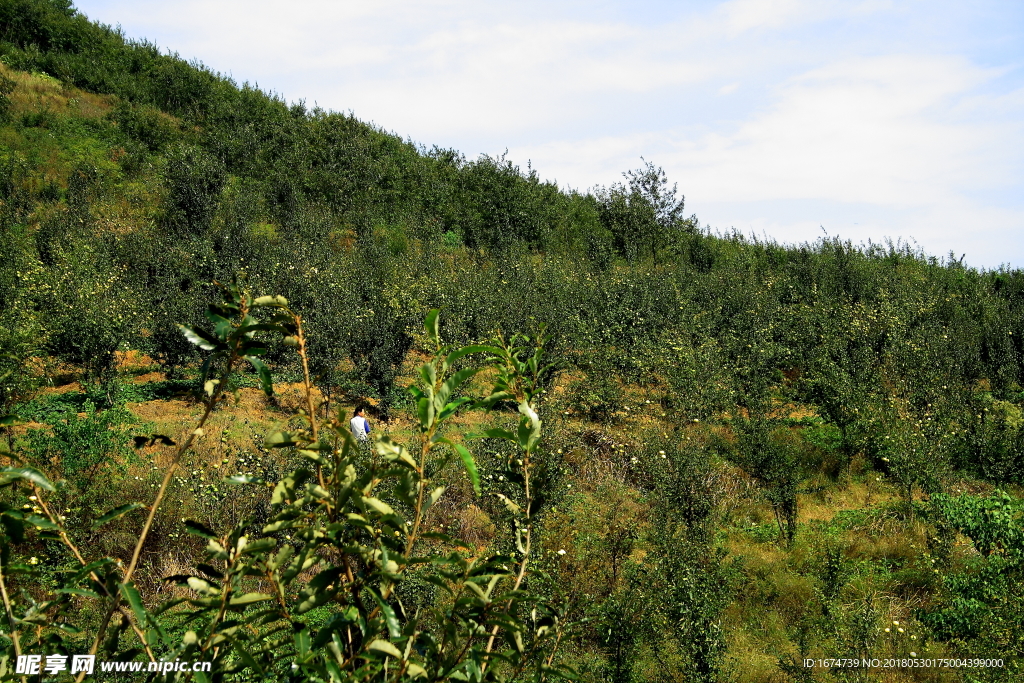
(107,580)
(348,527)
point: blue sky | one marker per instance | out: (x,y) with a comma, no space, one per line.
(870,119)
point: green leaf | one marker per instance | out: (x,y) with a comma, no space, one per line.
(302,639)
(242,479)
(394,629)
(524,433)
(431,325)
(259,546)
(385,647)
(450,408)
(434,495)
(282,557)
(131,594)
(428,373)
(498,396)
(475,588)
(451,385)
(252,347)
(467,460)
(222,327)
(202,586)
(518,636)
(250,598)
(529,427)
(33,476)
(117,512)
(9,420)
(272,301)
(41,522)
(282,492)
(281,440)
(425,411)
(199,337)
(378,505)
(216,550)
(263,370)
(496,433)
(197,529)
(439,582)
(91,567)
(393,451)
(314,456)
(282,524)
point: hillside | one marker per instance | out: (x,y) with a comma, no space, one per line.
(751,453)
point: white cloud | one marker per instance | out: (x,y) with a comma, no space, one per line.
(888,130)
(895,146)
(432,70)
(741,16)
(744,15)
(862,130)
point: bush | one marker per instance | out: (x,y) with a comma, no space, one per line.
(771,454)
(6,88)
(599,395)
(90,450)
(194,181)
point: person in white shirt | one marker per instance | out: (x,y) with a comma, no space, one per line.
(360,425)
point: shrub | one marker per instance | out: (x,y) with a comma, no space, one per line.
(6,88)
(82,446)
(772,455)
(354,520)
(194,181)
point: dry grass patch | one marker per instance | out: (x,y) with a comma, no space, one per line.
(823,505)
(40,92)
